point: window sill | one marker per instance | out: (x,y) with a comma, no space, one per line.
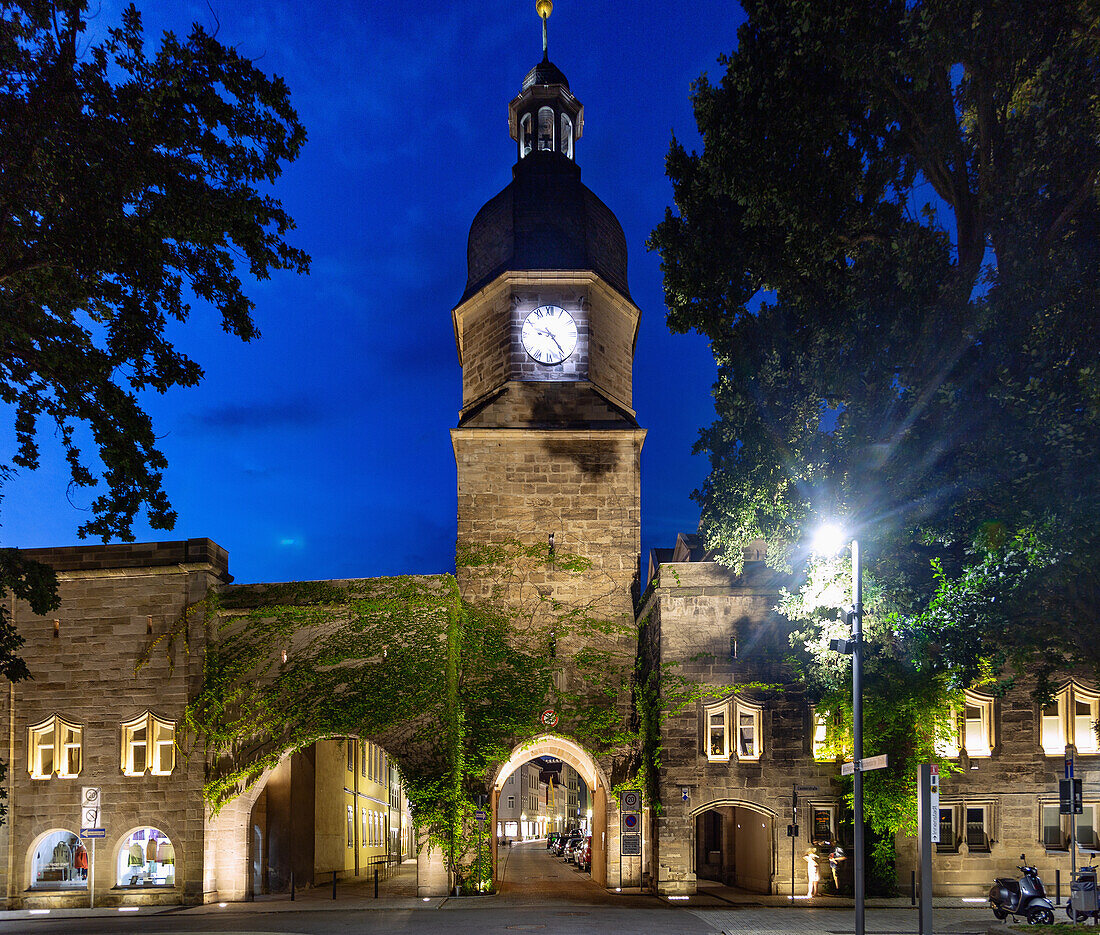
(138,888)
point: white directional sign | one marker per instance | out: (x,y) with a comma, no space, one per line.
(867,764)
(934,802)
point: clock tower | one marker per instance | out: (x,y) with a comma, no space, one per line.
(547,443)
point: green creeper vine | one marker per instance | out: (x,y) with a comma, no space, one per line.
(448,684)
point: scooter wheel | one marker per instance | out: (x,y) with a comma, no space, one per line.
(1039,915)
(1000,913)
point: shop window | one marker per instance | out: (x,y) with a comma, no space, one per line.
(978,827)
(524,135)
(1070,718)
(718,741)
(566,136)
(749,741)
(146,858)
(948,842)
(148,745)
(977,724)
(822,824)
(546,128)
(54,746)
(59,861)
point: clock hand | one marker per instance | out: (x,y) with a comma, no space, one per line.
(549,334)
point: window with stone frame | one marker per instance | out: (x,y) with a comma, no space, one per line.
(748,724)
(717,739)
(1070,718)
(351,753)
(1054,832)
(949,841)
(148,746)
(979,827)
(364,827)
(977,724)
(351,826)
(822,823)
(54,748)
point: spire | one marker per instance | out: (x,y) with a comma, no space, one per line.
(544,8)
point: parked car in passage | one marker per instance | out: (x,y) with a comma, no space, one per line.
(570,846)
(558,845)
(584,855)
(552,839)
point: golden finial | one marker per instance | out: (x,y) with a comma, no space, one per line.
(544,8)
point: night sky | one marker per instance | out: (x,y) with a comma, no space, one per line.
(321,450)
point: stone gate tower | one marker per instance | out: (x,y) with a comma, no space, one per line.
(547,442)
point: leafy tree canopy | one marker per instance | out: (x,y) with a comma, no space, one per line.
(892,240)
(133,181)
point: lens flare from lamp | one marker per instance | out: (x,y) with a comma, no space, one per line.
(829,539)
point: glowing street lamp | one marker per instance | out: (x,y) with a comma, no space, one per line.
(828,541)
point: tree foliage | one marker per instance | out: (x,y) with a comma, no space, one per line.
(891,239)
(133,181)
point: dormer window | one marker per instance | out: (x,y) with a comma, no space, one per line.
(546,128)
(524,135)
(566,136)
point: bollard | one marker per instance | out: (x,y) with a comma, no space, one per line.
(333,884)
(292,886)
(912,887)
(1057,887)
(375,882)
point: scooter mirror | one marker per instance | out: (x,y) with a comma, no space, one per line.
(1023,857)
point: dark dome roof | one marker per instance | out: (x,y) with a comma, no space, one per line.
(545,72)
(546,219)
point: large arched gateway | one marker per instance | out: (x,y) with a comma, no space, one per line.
(605,864)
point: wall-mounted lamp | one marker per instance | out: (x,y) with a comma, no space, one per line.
(149,624)
(56,629)
(284,657)
(550,541)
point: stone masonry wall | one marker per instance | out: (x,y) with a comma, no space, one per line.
(116,603)
(693,613)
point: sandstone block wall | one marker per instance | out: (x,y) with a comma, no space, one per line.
(697,616)
(116,601)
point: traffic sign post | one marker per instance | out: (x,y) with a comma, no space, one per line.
(91,820)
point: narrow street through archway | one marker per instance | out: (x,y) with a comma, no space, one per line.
(529,872)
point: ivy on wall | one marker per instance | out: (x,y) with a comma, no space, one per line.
(448,683)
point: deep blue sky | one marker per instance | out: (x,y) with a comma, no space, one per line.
(321,450)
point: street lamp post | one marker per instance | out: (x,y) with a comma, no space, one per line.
(828,539)
(857,732)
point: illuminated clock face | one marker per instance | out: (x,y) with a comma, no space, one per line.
(549,334)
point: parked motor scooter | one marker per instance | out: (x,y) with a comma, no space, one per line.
(1024,897)
(1082,896)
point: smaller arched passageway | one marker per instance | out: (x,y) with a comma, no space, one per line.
(334,807)
(552,787)
(735,845)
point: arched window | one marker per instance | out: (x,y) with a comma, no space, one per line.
(524,135)
(146,858)
(148,745)
(566,136)
(58,862)
(546,128)
(54,747)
